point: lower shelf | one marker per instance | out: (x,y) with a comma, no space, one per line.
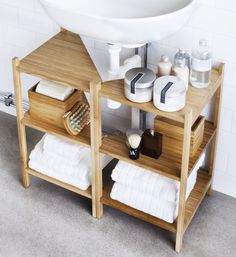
(87,193)
(192,204)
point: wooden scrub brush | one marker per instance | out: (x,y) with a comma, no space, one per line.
(77,118)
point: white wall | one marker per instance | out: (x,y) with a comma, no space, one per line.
(24,26)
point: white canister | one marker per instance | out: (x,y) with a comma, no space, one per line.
(139,85)
(169,93)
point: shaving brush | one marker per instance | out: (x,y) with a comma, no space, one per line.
(134,142)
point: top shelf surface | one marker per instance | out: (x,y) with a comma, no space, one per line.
(63,59)
(196,99)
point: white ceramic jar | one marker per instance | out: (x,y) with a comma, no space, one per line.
(169,93)
(139,85)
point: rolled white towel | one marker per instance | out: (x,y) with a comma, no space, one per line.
(77,175)
(54,90)
(161,209)
(72,152)
(152,183)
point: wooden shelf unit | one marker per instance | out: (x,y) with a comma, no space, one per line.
(64,59)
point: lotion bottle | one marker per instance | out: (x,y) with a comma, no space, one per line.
(164,66)
(180,68)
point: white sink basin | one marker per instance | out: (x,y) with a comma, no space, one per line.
(125,22)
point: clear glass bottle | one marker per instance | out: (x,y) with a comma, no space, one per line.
(200,75)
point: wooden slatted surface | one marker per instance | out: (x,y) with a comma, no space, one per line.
(192,204)
(166,165)
(196,196)
(196,98)
(106,199)
(83,138)
(63,59)
(87,193)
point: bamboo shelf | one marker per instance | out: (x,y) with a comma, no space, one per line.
(115,146)
(196,99)
(64,59)
(192,204)
(83,138)
(86,193)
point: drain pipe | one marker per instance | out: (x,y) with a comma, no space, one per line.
(143,114)
(8,99)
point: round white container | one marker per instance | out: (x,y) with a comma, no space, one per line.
(139,85)
(169,93)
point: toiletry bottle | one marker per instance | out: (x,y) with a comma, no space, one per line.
(200,75)
(151,144)
(164,66)
(180,68)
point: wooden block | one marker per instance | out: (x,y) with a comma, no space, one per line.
(50,110)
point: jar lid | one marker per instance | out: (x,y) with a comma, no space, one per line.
(176,86)
(143,77)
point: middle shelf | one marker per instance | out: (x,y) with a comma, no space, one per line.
(115,146)
(168,166)
(83,138)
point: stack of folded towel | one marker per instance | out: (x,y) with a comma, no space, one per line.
(149,192)
(63,160)
(54,90)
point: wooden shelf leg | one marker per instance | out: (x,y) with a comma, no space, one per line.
(216,123)
(96,141)
(21,127)
(183,180)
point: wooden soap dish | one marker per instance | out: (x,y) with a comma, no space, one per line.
(77,118)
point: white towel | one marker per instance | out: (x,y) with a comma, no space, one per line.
(161,209)
(54,90)
(76,175)
(69,151)
(152,183)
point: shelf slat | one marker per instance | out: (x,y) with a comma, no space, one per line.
(83,138)
(87,193)
(63,59)
(196,99)
(192,204)
(106,199)
(166,165)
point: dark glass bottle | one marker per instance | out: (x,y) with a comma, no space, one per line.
(151,143)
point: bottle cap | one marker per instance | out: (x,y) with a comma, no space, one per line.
(165,58)
(203,42)
(180,62)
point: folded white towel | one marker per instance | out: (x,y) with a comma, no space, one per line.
(69,151)
(54,90)
(152,183)
(161,209)
(76,175)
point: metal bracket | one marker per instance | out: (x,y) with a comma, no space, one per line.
(8,99)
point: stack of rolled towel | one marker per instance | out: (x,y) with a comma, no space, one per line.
(63,160)
(149,192)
